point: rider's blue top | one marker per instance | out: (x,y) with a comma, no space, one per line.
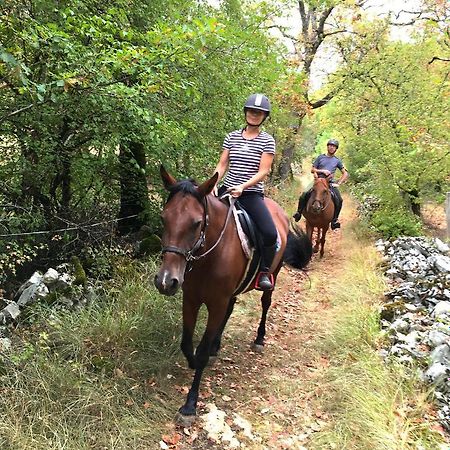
(330,163)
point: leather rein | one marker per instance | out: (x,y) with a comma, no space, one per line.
(323,207)
(189,255)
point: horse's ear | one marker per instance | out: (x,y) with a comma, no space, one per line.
(205,188)
(168,179)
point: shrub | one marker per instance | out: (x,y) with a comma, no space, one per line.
(392,224)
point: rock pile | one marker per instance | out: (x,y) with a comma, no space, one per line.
(54,286)
(416,314)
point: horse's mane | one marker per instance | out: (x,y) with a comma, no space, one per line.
(186,187)
(322,180)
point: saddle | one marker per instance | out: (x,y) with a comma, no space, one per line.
(250,242)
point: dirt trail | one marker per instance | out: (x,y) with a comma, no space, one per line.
(269,400)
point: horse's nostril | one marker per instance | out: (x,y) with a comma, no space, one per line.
(174,283)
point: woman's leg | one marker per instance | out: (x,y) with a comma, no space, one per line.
(257,210)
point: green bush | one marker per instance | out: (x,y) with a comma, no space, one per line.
(392,224)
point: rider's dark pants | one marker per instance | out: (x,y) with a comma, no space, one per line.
(253,203)
(337,199)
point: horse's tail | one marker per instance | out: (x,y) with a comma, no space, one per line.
(299,250)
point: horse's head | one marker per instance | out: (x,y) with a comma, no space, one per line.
(320,196)
(185,219)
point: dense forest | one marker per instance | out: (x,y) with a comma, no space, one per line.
(95,96)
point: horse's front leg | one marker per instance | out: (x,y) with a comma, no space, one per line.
(318,240)
(322,241)
(190,313)
(309,233)
(216,315)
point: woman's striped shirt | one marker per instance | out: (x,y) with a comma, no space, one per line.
(245,157)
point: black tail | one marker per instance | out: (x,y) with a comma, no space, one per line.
(298,249)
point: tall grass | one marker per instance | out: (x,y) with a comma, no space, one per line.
(373,406)
(96,378)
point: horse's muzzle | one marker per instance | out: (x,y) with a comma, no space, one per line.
(166,283)
(316,208)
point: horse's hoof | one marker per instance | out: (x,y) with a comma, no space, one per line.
(212,360)
(315,250)
(183,420)
(257,348)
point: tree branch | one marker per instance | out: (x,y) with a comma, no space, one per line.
(18,111)
(305,19)
(322,101)
(437,58)
(322,20)
(283,33)
(337,32)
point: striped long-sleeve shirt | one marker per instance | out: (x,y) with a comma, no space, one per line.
(245,157)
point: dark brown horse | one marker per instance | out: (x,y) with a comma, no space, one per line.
(319,212)
(202,254)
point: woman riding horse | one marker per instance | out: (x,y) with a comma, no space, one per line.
(247,158)
(203,255)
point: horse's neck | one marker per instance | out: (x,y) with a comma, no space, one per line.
(322,182)
(322,185)
(217,212)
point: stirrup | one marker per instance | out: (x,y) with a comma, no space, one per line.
(267,282)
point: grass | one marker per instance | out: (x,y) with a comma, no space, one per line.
(373,406)
(95,379)
(98,379)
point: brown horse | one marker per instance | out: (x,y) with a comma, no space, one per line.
(202,254)
(319,212)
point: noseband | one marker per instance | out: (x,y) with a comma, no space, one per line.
(189,254)
(323,207)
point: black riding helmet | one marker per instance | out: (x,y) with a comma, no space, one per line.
(333,142)
(258,101)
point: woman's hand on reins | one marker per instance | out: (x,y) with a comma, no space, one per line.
(236,191)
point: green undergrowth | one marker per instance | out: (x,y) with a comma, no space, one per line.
(96,378)
(372,405)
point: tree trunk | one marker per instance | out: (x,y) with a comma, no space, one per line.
(287,155)
(133,188)
(288,150)
(414,198)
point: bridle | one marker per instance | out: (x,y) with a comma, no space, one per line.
(323,207)
(189,255)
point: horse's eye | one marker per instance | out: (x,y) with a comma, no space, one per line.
(196,224)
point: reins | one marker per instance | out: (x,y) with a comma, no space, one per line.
(322,208)
(189,254)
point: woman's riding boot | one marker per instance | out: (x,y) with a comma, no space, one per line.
(264,279)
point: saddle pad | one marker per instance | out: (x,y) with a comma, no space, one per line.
(245,243)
